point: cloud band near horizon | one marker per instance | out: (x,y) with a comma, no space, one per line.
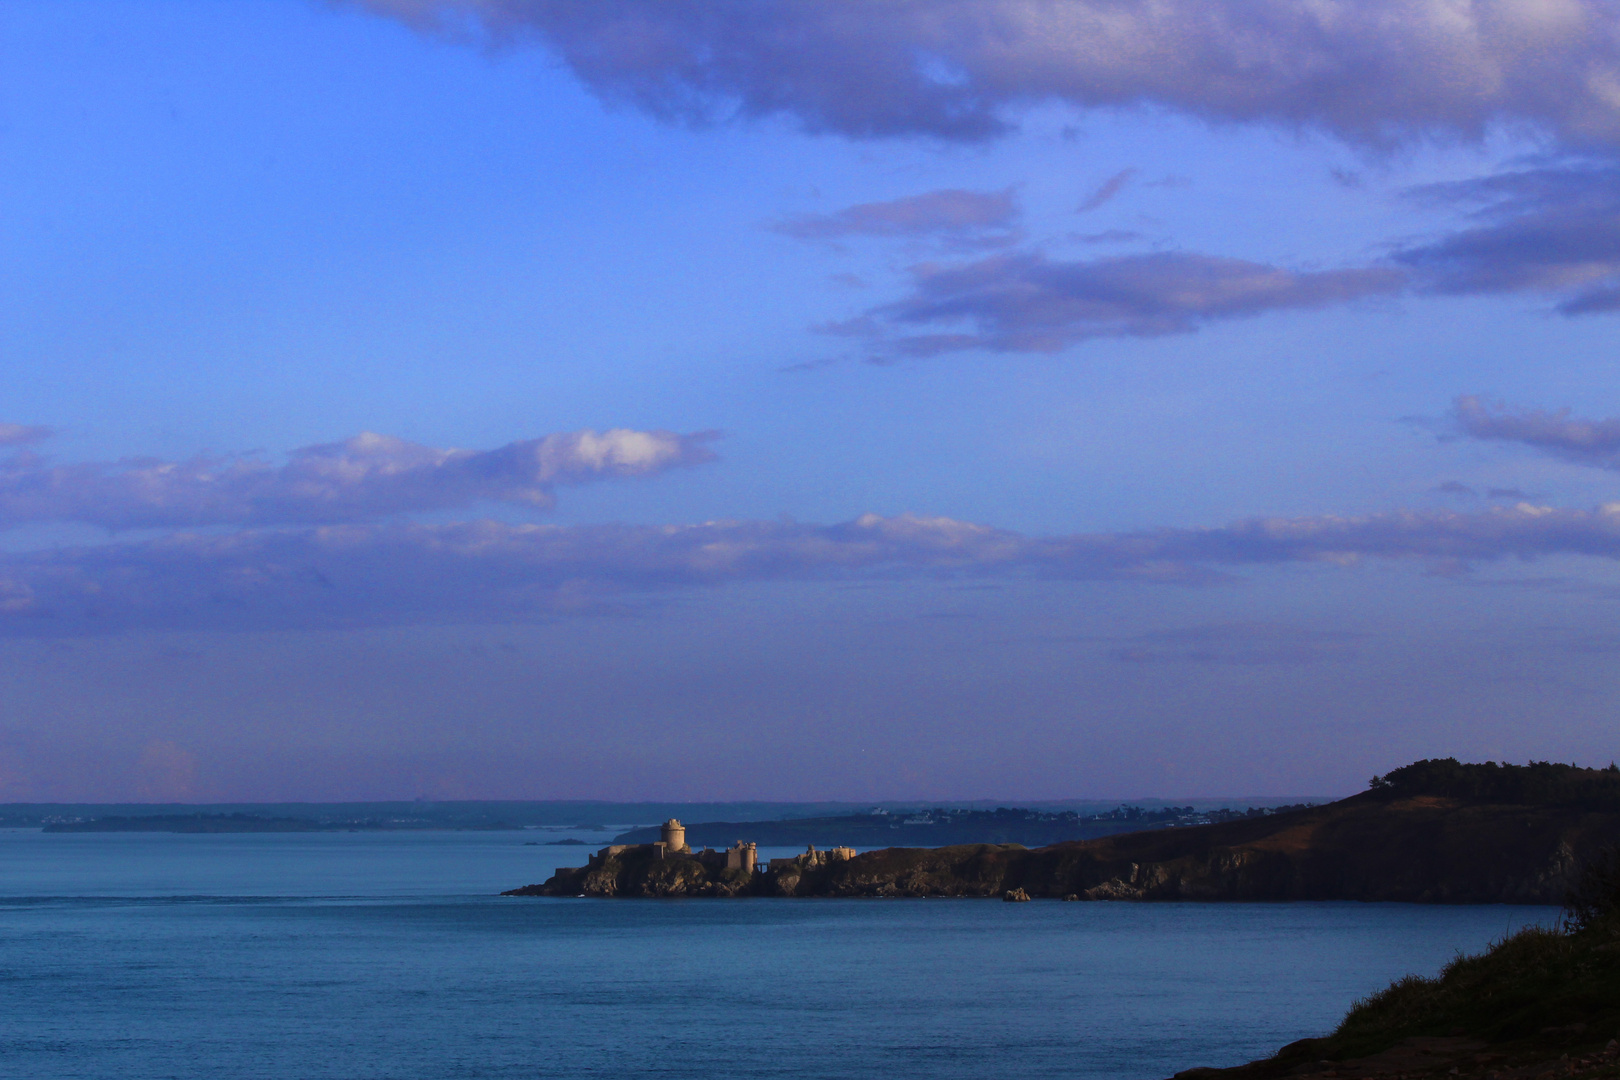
(485,571)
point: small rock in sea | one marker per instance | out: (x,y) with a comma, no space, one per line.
(1071,896)
(1016,896)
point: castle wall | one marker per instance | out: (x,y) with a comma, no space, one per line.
(742,857)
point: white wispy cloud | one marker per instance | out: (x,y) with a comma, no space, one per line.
(359,479)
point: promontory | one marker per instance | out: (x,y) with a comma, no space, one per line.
(1436,831)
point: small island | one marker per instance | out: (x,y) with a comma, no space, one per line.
(669,867)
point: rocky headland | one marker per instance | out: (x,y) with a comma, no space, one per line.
(1432,832)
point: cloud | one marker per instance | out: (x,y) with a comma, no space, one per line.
(349,575)
(1456,487)
(1029,303)
(1107,236)
(1374,72)
(1554,231)
(950,211)
(1585,442)
(22,434)
(1239,644)
(361,478)
(1107,190)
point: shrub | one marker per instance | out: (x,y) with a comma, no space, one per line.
(1596,895)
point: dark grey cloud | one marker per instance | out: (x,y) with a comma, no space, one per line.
(1373,71)
(361,478)
(1553,230)
(487,571)
(1239,644)
(1107,190)
(950,211)
(1561,434)
(1029,303)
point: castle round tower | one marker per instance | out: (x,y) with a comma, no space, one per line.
(674,836)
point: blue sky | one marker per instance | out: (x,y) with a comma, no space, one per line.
(997,400)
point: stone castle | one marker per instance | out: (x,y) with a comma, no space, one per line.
(740,856)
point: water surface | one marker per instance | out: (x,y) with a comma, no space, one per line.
(373,955)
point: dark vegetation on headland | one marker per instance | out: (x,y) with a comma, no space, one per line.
(943,826)
(1540,783)
(1542,1003)
(1434,832)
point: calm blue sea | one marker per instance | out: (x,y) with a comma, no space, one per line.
(371,955)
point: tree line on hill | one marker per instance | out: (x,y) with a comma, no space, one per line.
(1539,783)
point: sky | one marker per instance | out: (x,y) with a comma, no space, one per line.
(749,399)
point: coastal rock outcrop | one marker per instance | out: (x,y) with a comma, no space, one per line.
(637,872)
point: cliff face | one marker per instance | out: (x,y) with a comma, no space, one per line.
(1375,846)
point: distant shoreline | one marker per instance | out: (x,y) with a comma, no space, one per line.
(248,823)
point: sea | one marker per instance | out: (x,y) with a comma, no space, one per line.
(354,956)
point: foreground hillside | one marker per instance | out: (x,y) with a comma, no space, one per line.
(1543,1003)
(1433,832)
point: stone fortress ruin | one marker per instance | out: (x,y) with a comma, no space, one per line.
(743,855)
